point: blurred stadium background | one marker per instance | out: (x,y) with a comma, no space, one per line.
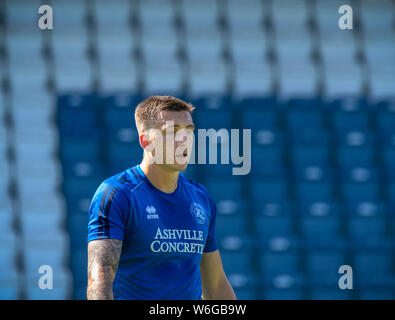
(320,102)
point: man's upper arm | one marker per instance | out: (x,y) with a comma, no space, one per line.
(108,212)
(103,260)
(211,269)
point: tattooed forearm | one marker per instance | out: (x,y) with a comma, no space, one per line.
(103,259)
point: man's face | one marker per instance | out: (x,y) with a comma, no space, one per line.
(172,139)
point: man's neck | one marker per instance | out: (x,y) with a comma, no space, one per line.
(162,179)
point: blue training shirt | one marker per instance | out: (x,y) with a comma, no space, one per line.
(164,235)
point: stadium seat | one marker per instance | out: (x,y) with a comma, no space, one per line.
(304,118)
(367,222)
(323,260)
(389,161)
(267,160)
(79,267)
(212,119)
(386,118)
(290,20)
(269,191)
(77,116)
(279,255)
(231,225)
(361,174)
(273,220)
(78,229)
(344,121)
(123,156)
(313,173)
(350,156)
(355,193)
(373,264)
(320,221)
(376,19)
(80,158)
(304,155)
(9,283)
(283,287)
(243,284)
(199,18)
(310,192)
(236,262)
(320,293)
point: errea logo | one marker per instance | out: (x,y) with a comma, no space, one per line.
(151,212)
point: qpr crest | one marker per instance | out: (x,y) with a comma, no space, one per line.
(198,213)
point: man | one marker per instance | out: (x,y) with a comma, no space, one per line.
(151,229)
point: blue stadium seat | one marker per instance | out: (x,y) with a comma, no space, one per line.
(244,285)
(349,157)
(386,118)
(310,192)
(81,159)
(313,173)
(307,155)
(212,101)
(355,138)
(260,118)
(230,225)
(373,266)
(288,286)
(236,261)
(76,188)
(79,267)
(308,103)
(273,220)
(279,255)
(344,121)
(224,189)
(320,293)
(320,221)
(367,222)
(323,259)
(267,161)
(123,156)
(116,117)
(77,100)
(84,151)
(257,102)
(268,191)
(302,118)
(122,100)
(78,117)
(212,119)
(389,162)
(310,136)
(78,229)
(381,293)
(355,193)
(361,174)
(266,137)
(119,119)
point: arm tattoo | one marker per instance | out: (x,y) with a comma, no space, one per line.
(103,259)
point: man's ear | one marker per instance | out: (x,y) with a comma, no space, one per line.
(143,139)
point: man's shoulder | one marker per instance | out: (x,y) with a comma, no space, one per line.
(189,183)
(126,180)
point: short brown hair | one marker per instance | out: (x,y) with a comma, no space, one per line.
(146,111)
